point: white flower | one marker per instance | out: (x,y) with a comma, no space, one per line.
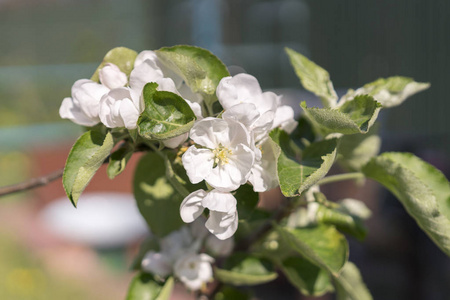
(157,263)
(263,175)
(84,106)
(121,107)
(243,101)
(223,216)
(224,157)
(194,270)
(284,118)
(111,76)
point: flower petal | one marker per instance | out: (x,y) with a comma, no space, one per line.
(198,163)
(191,207)
(69,110)
(210,132)
(216,200)
(176,141)
(222,225)
(157,263)
(240,88)
(111,76)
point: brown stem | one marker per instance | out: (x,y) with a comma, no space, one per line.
(31,184)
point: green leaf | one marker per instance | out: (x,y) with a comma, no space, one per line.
(229,293)
(119,160)
(87,155)
(166,115)
(349,284)
(313,78)
(390,91)
(157,200)
(422,189)
(145,287)
(315,162)
(199,68)
(308,278)
(304,134)
(343,222)
(354,116)
(242,269)
(322,245)
(356,150)
(247,199)
(122,57)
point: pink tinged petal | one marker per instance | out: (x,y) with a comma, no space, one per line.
(68,110)
(222,225)
(157,263)
(210,132)
(144,73)
(245,113)
(198,163)
(237,89)
(216,200)
(191,207)
(111,76)
(176,141)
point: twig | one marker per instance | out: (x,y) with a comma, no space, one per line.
(32,183)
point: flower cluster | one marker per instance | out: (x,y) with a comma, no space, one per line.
(117,101)
(180,254)
(227,152)
(233,150)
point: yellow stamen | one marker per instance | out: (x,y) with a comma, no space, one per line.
(221,155)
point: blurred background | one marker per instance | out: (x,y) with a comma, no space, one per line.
(47,45)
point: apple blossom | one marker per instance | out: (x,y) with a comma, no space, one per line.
(111,76)
(223,156)
(120,107)
(223,217)
(194,270)
(84,106)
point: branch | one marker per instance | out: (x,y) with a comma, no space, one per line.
(32,183)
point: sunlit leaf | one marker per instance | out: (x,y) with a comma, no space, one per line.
(313,78)
(322,245)
(166,115)
(145,287)
(200,69)
(87,155)
(422,189)
(243,269)
(122,57)
(355,116)
(157,199)
(297,174)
